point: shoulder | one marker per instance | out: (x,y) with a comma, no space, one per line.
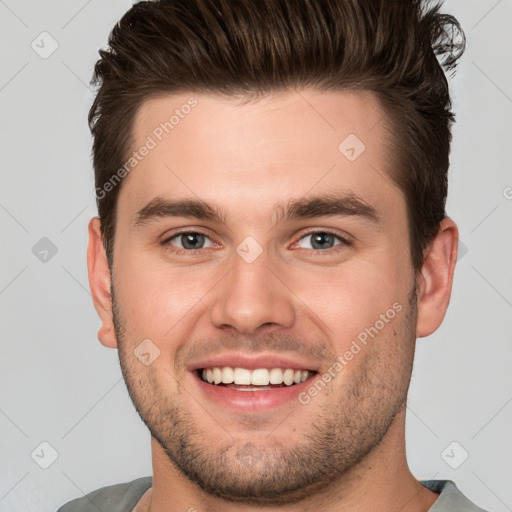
(114,498)
(450,497)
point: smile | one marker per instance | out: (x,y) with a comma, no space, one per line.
(259,379)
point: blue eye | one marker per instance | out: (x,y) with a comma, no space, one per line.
(321,240)
(190,240)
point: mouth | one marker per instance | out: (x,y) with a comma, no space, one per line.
(259,379)
(249,383)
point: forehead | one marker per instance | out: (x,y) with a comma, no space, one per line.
(285,144)
(229,126)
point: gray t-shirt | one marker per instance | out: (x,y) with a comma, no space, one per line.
(123,497)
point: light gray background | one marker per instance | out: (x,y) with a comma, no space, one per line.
(59,385)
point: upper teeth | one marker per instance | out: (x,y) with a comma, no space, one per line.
(259,377)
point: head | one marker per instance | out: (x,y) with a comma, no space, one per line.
(260,120)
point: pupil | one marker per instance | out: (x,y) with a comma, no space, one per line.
(321,239)
(190,239)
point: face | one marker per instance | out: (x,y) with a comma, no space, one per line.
(259,237)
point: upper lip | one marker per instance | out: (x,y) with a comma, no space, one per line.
(255,361)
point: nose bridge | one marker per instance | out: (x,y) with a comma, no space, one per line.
(251,295)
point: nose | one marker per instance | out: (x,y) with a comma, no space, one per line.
(252,298)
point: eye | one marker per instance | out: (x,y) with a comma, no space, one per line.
(189,240)
(321,240)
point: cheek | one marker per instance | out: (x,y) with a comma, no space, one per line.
(153,297)
(351,299)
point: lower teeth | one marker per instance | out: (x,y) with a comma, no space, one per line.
(250,388)
(240,387)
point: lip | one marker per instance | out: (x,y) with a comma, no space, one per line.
(252,401)
(255,361)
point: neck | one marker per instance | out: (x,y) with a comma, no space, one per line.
(381,480)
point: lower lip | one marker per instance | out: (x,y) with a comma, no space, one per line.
(252,400)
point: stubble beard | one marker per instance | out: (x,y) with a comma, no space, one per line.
(352,419)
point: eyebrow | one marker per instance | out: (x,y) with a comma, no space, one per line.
(325,205)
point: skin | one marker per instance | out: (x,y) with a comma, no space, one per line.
(345,449)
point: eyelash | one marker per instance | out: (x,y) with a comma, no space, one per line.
(197,252)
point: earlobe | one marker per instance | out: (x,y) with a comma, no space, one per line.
(436,279)
(100,282)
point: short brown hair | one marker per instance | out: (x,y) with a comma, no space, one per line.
(254,47)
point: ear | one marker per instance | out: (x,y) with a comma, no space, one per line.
(99,282)
(436,278)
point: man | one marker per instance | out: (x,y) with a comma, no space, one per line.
(271,179)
